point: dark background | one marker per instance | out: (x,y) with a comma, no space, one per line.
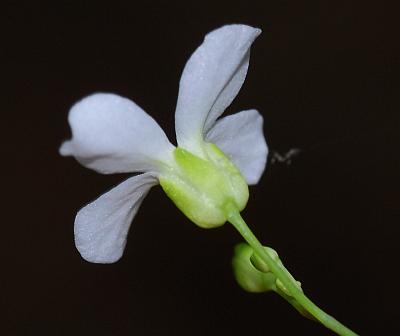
(324,74)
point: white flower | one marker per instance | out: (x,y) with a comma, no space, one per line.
(112,134)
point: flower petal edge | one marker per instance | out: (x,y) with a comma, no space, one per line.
(211,79)
(111,134)
(101,227)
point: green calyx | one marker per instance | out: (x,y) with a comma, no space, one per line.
(203,188)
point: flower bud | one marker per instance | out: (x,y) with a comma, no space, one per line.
(253,275)
(247,275)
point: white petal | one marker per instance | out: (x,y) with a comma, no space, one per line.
(102,226)
(111,134)
(210,81)
(241,137)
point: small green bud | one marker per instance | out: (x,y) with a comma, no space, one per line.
(203,188)
(263,267)
(247,275)
(253,275)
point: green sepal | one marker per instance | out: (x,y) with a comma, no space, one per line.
(202,187)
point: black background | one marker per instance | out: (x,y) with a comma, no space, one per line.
(324,74)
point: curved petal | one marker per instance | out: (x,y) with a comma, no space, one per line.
(241,137)
(111,134)
(210,81)
(102,226)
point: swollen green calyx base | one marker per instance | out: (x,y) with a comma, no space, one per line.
(203,187)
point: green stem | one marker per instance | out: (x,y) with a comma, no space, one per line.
(328,321)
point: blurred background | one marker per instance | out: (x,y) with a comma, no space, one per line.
(325,77)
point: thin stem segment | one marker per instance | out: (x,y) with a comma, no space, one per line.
(284,276)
